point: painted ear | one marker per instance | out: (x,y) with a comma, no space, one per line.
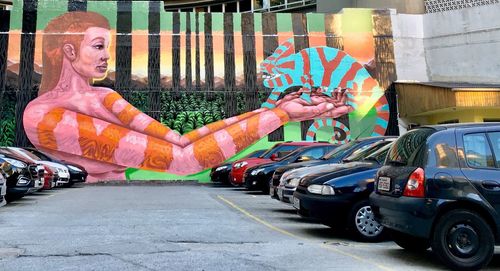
(69,51)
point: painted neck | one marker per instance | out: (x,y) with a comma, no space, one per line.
(71,81)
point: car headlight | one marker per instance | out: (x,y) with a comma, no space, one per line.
(293,182)
(321,189)
(23,181)
(15,163)
(74,168)
(256,171)
(240,164)
(220,168)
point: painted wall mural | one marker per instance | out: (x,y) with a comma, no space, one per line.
(132,92)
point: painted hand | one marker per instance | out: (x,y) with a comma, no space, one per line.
(320,107)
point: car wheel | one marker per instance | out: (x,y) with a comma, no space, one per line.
(362,223)
(410,242)
(463,240)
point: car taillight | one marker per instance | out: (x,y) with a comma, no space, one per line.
(415,187)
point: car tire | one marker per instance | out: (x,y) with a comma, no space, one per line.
(409,242)
(362,224)
(463,240)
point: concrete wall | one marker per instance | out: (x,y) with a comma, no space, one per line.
(454,46)
(408,32)
(463,45)
(402,6)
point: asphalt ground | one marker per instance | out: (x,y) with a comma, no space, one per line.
(182,227)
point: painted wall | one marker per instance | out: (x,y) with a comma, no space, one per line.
(458,46)
(402,6)
(188,71)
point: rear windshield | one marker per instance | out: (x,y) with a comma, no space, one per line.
(280,148)
(407,145)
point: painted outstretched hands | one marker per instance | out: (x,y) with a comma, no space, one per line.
(320,107)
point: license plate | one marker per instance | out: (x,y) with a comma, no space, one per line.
(384,184)
(296,203)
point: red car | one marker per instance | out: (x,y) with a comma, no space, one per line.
(277,151)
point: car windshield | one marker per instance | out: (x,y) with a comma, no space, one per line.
(292,154)
(379,155)
(255,154)
(365,151)
(42,156)
(27,153)
(279,148)
(406,145)
(339,151)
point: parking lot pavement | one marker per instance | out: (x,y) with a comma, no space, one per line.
(181,227)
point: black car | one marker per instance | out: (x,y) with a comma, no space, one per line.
(77,173)
(220,173)
(339,197)
(23,177)
(440,188)
(351,149)
(259,177)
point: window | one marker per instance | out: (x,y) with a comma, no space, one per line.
(448,121)
(477,151)
(314,153)
(408,145)
(495,143)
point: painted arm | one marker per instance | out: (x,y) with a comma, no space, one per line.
(63,130)
(136,120)
(67,131)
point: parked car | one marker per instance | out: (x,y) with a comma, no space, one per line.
(440,188)
(259,177)
(23,176)
(356,149)
(77,173)
(57,168)
(339,197)
(277,151)
(3,188)
(221,173)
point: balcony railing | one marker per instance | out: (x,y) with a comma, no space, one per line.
(286,4)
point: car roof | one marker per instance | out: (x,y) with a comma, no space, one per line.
(305,143)
(461,125)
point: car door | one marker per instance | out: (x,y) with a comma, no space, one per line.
(482,163)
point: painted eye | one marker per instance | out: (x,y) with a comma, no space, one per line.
(99,46)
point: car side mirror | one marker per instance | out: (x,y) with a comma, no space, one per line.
(274,157)
(303,159)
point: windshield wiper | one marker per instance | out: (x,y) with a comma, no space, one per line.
(371,159)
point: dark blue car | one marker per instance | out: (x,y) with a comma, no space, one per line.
(336,156)
(440,188)
(339,198)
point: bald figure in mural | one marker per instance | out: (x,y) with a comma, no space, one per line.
(97,128)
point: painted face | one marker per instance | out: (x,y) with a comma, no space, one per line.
(92,59)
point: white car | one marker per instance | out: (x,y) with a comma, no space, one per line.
(3,190)
(59,169)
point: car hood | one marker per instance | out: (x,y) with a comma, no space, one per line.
(256,161)
(303,171)
(303,164)
(228,165)
(53,164)
(335,171)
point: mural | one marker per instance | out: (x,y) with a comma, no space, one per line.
(181,92)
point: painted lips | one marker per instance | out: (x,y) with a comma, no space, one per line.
(102,68)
